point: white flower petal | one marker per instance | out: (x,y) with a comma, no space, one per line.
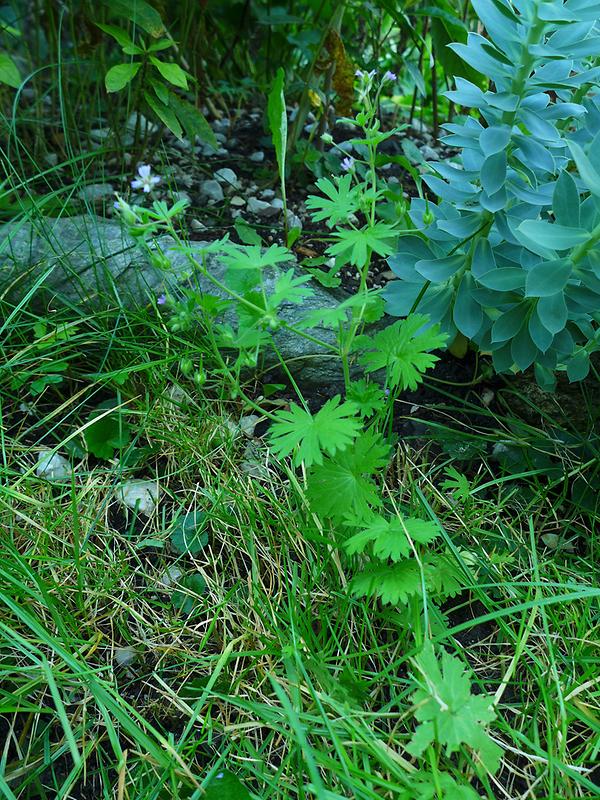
(144,171)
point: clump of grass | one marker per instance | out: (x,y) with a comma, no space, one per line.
(111,683)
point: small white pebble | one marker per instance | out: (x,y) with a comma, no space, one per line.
(248,424)
(487,397)
(52,466)
(170,576)
(125,656)
(141,496)
(293,220)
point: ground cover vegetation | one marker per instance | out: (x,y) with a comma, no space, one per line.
(364,570)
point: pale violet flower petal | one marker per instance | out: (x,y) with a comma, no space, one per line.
(146,180)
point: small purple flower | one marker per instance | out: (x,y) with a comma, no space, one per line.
(365,76)
(161,299)
(125,210)
(389,76)
(386,392)
(347,163)
(146,181)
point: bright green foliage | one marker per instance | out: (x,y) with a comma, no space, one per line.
(458,484)
(343,485)
(154,77)
(425,789)
(391,583)
(442,577)
(141,13)
(367,397)
(341,200)
(449,714)
(226,786)
(9,72)
(367,305)
(398,539)
(278,124)
(289,288)
(245,264)
(392,538)
(356,245)
(120,75)
(107,430)
(402,349)
(331,429)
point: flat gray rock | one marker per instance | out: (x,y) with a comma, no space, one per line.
(95,263)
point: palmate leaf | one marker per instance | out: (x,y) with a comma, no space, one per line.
(392,584)
(368,397)
(357,245)
(331,429)
(391,538)
(289,288)
(342,199)
(442,578)
(245,263)
(427,787)
(449,714)
(331,317)
(342,485)
(402,349)
(255,257)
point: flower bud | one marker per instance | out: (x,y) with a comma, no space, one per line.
(160,261)
(199,378)
(186,365)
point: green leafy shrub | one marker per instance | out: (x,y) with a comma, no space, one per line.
(153,79)
(509,256)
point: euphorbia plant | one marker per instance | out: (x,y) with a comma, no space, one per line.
(509,256)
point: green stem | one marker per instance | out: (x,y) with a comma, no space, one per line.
(526,63)
(435,772)
(579,253)
(357,314)
(137,149)
(235,296)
